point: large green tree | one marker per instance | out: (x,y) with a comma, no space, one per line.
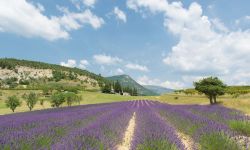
(13,102)
(211,87)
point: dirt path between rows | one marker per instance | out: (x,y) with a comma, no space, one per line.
(127,139)
(186,140)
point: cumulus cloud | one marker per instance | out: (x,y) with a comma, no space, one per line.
(89,3)
(206,46)
(145,80)
(83,64)
(120,15)
(173,85)
(27,19)
(104,59)
(137,67)
(73,21)
(70,63)
(119,71)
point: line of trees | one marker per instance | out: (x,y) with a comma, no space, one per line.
(31,99)
(116,87)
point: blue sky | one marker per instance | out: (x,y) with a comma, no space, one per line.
(167,43)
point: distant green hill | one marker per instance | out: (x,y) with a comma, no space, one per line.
(158,89)
(11,63)
(15,73)
(127,81)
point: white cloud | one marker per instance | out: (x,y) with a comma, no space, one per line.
(145,80)
(152,5)
(120,15)
(89,3)
(119,71)
(26,19)
(206,46)
(138,67)
(70,63)
(73,21)
(103,59)
(83,64)
(173,85)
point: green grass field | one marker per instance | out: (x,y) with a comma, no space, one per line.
(242,103)
(87,98)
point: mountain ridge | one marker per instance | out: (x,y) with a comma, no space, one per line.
(127,81)
(158,89)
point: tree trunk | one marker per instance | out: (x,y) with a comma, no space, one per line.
(211,99)
(215,101)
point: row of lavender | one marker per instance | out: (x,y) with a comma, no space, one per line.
(84,127)
(102,126)
(210,127)
(158,126)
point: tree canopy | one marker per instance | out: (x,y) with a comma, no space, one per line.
(211,87)
(12,102)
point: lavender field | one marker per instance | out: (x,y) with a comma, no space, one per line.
(136,125)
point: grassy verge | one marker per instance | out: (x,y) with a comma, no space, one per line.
(242,103)
(87,98)
(92,97)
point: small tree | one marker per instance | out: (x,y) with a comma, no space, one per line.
(211,87)
(31,100)
(13,102)
(57,99)
(71,98)
(106,88)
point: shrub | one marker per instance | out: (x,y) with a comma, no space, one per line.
(57,99)
(217,141)
(31,100)
(242,127)
(13,102)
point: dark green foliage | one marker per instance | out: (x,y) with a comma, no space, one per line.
(127,81)
(237,91)
(57,99)
(190,91)
(73,89)
(211,87)
(11,82)
(31,100)
(13,102)
(71,98)
(24,82)
(118,88)
(242,127)
(72,76)
(47,91)
(58,75)
(217,141)
(131,91)
(107,88)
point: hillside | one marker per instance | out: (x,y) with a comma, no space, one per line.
(158,89)
(14,72)
(127,81)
